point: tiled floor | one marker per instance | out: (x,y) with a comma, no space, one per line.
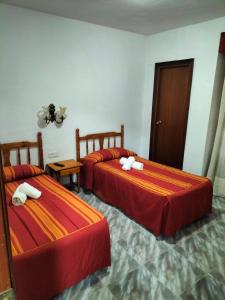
(190,265)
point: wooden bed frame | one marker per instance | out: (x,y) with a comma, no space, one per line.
(7,279)
(7,147)
(6,274)
(100,137)
(119,188)
(5,150)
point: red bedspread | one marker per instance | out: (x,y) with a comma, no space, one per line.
(161,198)
(56,240)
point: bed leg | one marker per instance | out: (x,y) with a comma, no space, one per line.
(86,191)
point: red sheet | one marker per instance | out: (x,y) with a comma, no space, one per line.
(56,240)
(161,198)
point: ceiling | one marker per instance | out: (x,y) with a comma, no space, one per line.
(139,16)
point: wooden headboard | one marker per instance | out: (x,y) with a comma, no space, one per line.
(6,148)
(100,137)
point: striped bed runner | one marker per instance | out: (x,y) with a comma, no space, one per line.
(56,214)
(156,178)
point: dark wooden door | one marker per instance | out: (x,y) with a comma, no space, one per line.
(171,96)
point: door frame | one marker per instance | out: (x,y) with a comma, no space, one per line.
(158,68)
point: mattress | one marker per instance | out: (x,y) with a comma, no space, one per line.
(56,240)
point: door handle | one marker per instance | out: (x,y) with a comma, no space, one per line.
(158,122)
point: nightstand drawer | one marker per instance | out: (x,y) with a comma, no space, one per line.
(70,171)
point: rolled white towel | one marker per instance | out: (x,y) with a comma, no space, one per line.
(137,165)
(128,163)
(19,198)
(123,160)
(29,190)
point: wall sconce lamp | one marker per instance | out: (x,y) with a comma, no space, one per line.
(50,115)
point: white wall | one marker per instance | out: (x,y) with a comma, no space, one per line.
(104,77)
(97,72)
(201,42)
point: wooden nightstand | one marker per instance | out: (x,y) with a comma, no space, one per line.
(69,167)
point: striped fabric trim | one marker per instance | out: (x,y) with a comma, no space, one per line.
(41,219)
(10,188)
(54,220)
(9,173)
(95,157)
(12,173)
(165,178)
(88,213)
(131,153)
(39,223)
(115,153)
(47,223)
(137,181)
(108,154)
(172,170)
(16,246)
(36,170)
(14,252)
(47,220)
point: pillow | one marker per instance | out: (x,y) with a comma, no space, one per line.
(108,154)
(20,172)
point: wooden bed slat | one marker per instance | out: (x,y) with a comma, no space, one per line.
(7,147)
(78,144)
(93,145)
(86,147)
(6,157)
(122,137)
(101,142)
(18,156)
(100,137)
(28,155)
(40,150)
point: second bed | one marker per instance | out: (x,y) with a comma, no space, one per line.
(161,198)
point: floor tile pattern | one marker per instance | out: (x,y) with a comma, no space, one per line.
(189,266)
